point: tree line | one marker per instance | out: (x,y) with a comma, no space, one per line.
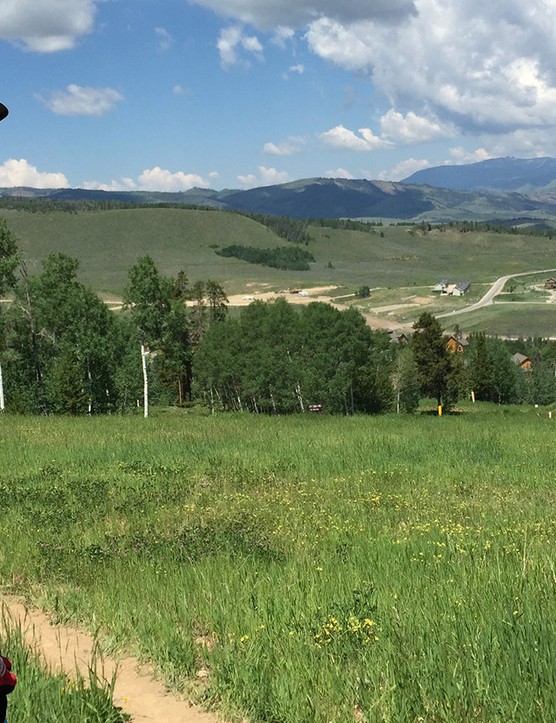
(62,351)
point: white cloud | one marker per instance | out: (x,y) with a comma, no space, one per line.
(154,179)
(21,173)
(165,40)
(501,77)
(181,90)
(412,128)
(46,25)
(77,100)
(159,179)
(299,69)
(282,35)
(461,155)
(288,147)
(232,40)
(339,173)
(124,184)
(478,66)
(265,177)
(344,139)
(404,169)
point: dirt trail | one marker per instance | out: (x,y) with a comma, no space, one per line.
(69,650)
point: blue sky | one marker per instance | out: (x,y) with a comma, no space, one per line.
(167,95)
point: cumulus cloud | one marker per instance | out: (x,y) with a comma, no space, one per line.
(154,179)
(282,35)
(77,100)
(339,173)
(478,66)
(46,25)
(21,173)
(286,148)
(502,77)
(404,169)
(265,177)
(343,139)
(412,128)
(460,155)
(124,184)
(159,179)
(231,41)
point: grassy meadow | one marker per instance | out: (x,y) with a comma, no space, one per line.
(307,569)
(108,242)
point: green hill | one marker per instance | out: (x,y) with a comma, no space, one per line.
(108,242)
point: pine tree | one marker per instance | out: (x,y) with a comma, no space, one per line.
(432,358)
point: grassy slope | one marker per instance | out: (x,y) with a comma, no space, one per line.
(263,553)
(109,242)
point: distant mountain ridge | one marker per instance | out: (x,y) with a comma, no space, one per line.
(500,174)
(502,188)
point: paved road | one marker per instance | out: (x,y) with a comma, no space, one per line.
(494,290)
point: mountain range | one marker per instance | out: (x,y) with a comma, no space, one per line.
(495,189)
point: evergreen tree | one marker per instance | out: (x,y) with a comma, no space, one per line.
(433,359)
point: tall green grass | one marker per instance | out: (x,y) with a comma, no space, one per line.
(302,569)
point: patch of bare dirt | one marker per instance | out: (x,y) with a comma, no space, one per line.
(298,296)
(70,650)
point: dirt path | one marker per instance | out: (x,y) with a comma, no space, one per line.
(69,650)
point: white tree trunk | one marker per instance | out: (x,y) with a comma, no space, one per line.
(145,381)
(1,390)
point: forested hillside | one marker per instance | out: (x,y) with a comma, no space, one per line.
(63,351)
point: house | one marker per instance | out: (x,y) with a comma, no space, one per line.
(456,344)
(444,288)
(440,286)
(550,284)
(462,288)
(522,361)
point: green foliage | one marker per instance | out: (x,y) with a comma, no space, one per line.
(363,292)
(283,257)
(148,296)
(346,224)
(62,344)
(9,258)
(433,359)
(405,381)
(273,359)
(292,229)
